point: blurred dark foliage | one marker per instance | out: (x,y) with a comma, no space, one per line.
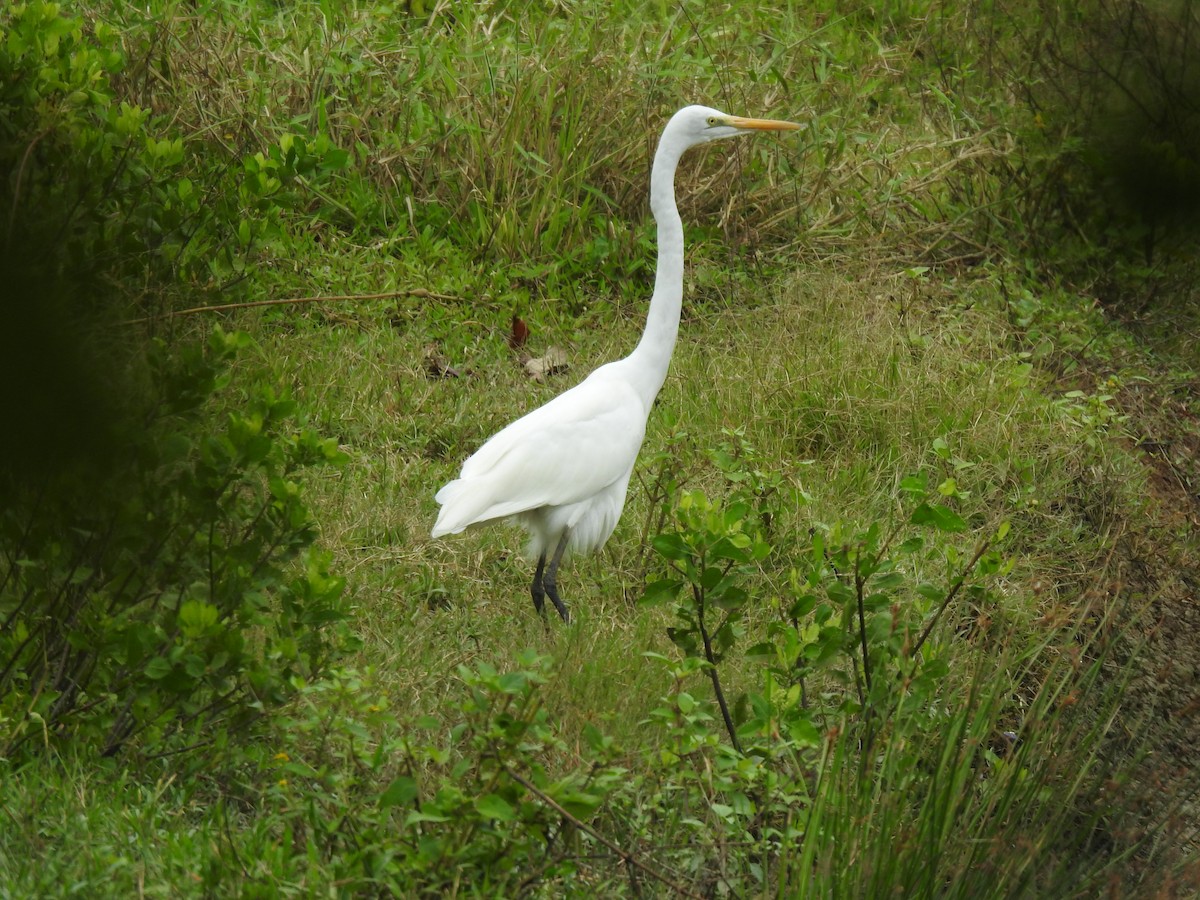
(62,398)
(1119,82)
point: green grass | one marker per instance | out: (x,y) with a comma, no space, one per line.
(857,311)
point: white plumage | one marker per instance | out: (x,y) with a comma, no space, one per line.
(562,470)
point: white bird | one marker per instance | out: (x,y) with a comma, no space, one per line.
(562,470)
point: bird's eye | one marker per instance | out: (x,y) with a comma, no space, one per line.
(712,121)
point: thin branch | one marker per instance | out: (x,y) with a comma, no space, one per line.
(859,589)
(225,307)
(629,858)
(958,583)
(713,675)
(12,212)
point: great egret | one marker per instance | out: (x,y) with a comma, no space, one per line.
(562,470)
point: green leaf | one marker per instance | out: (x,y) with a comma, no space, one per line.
(596,740)
(513,682)
(840,593)
(828,644)
(732,548)
(930,592)
(671,546)
(194,665)
(889,581)
(196,616)
(493,806)
(763,650)
(936,668)
(158,668)
(335,159)
(729,596)
(804,732)
(877,600)
(915,485)
(802,606)
(879,627)
(940,517)
(684,639)
(711,577)
(658,591)
(400,792)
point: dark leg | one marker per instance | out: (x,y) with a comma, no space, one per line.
(550,582)
(539,593)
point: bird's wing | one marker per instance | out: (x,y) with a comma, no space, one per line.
(563,452)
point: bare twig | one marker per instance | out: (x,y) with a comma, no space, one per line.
(321,298)
(629,858)
(12,212)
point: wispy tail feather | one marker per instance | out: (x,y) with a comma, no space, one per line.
(457,510)
(467,501)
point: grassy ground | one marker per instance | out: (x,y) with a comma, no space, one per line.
(861,306)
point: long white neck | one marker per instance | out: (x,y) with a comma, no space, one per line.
(652,356)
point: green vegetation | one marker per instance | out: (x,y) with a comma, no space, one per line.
(879,616)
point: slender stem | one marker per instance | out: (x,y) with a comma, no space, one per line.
(713,675)
(950,594)
(862,621)
(858,685)
(12,212)
(284,301)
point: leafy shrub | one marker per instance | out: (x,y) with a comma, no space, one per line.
(858,613)
(161,602)
(108,209)
(859,761)
(426,807)
(932,804)
(110,187)
(710,554)
(157,574)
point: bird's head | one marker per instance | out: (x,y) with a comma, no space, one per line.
(701,124)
